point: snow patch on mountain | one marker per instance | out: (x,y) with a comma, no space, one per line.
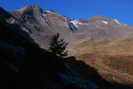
(48,11)
(104,22)
(117,21)
(76,23)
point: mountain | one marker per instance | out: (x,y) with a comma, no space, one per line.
(85,36)
(25,65)
(45,23)
(41,24)
(99,41)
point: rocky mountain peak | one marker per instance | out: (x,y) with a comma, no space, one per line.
(29,7)
(31,10)
(97,17)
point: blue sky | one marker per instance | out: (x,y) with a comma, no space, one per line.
(120,9)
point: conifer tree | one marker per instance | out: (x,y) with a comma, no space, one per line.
(58,46)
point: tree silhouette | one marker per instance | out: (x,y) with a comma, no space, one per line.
(58,46)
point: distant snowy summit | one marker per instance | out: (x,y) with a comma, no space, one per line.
(97,20)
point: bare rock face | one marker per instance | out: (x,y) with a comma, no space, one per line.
(41,24)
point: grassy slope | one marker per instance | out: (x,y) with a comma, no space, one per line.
(114,60)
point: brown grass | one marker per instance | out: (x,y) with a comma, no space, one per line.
(114,60)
